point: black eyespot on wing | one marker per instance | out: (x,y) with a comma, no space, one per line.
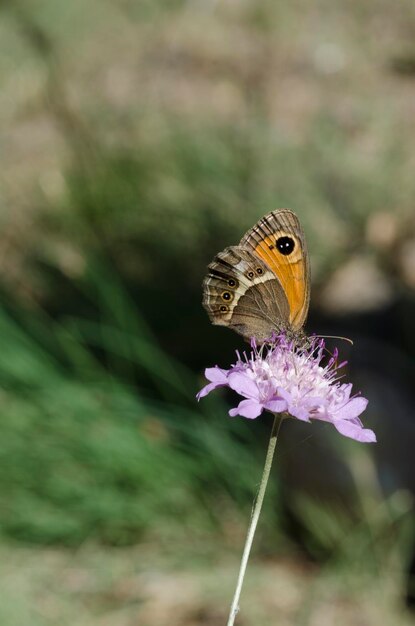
(223,308)
(251,274)
(232,282)
(259,270)
(285,245)
(226,295)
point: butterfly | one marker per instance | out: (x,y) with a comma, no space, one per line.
(262,286)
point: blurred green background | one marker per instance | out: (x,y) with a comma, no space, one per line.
(140,138)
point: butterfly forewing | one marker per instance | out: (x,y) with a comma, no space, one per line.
(279,241)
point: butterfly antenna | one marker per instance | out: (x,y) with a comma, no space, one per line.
(335,337)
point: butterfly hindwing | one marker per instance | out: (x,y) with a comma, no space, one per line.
(242,292)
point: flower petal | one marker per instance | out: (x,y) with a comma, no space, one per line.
(216,374)
(348,429)
(300,413)
(276,406)
(352,409)
(345,390)
(207,389)
(218,378)
(315,402)
(285,395)
(247,408)
(243,384)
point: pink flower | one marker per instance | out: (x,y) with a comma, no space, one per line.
(286,379)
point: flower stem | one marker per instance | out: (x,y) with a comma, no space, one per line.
(255,516)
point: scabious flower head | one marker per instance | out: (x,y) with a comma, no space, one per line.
(283,378)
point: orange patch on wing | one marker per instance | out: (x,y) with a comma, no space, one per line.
(290,271)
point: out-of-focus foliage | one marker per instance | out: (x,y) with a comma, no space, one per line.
(162,133)
(86,455)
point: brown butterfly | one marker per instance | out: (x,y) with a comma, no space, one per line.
(262,285)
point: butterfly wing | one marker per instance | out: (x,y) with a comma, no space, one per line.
(279,241)
(242,292)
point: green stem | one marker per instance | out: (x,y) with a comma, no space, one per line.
(255,516)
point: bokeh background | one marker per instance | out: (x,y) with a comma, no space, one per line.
(139,138)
